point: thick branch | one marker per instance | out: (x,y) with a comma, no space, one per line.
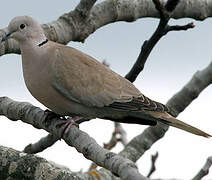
(141,143)
(80,140)
(70,27)
(18,165)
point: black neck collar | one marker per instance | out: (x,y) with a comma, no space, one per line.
(42,43)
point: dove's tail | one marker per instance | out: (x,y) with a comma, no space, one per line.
(171,121)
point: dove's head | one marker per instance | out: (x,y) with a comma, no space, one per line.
(24,28)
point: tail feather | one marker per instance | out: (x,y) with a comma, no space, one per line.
(171,121)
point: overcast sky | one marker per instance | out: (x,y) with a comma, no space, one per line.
(170,66)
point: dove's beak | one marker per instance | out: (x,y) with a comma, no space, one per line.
(6,37)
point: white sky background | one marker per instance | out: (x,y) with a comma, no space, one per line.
(171,64)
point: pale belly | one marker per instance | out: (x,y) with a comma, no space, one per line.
(47,95)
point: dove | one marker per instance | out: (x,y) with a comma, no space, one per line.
(72,83)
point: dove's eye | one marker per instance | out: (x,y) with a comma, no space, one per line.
(22,26)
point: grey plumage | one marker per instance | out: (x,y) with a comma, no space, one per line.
(72,83)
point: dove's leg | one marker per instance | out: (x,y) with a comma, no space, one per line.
(67,123)
(51,115)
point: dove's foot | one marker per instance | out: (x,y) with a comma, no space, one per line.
(68,123)
(65,123)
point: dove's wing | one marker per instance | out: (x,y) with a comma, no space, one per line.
(82,79)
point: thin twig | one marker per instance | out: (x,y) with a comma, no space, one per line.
(162,29)
(153,167)
(41,145)
(123,135)
(119,135)
(179,28)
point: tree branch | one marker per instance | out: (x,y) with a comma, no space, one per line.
(41,145)
(153,167)
(69,26)
(84,7)
(18,165)
(162,29)
(118,131)
(86,145)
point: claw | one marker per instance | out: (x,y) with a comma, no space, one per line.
(65,122)
(68,123)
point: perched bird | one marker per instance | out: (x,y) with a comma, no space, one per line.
(72,83)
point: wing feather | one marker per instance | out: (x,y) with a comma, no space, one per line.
(82,79)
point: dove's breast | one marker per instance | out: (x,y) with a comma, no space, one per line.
(38,79)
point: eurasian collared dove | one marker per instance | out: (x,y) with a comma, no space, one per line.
(72,83)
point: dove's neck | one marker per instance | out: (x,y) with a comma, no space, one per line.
(33,44)
(43,42)
(38,41)
(34,62)
(32,50)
